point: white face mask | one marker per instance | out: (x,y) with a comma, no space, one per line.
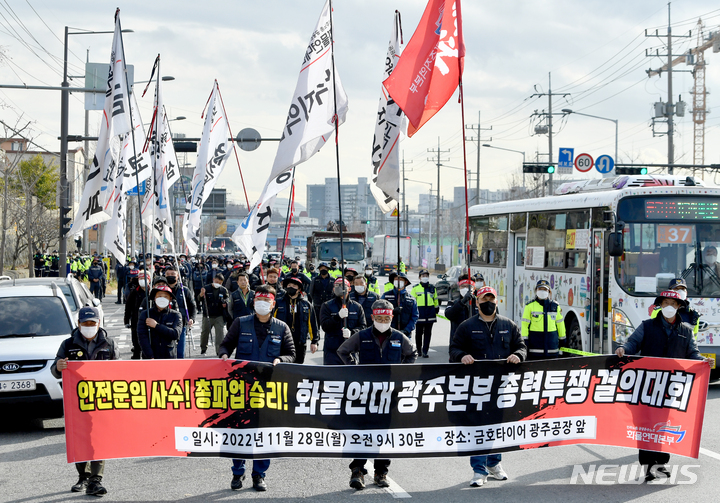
(542,294)
(162,302)
(214,266)
(359,289)
(424,279)
(142,283)
(710,259)
(368,272)
(399,284)
(479,284)
(682,293)
(263,308)
(88,332)
(464,291)
(381,327)
(216,285)
(669,312)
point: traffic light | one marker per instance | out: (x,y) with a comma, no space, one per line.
(535,168)
(631,171)
(367,222)
(65,220)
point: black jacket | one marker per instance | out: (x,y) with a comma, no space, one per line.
(134,303)
(189,299)
(76,348)
(652,339)
(487,341)
(321,290)
(461,310)
(159,342)
(215,298)
(243,332)
(332,324)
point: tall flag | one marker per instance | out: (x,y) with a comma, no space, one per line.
(115,121)
(309,124)
(212,155)
(431,65)
(156,210)
(385,185)
(135,159)
(115,239)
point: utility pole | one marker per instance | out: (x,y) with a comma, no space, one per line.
(479,143)
(548,129)
(439,162)
(667,109)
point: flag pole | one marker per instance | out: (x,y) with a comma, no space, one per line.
(137,176)
(247,201)
(464,143)
(337,148)
(287,217)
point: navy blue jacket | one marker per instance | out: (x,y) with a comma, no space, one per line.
(305,324)
(651,338)
(159,342)
(366,301)
(239,308)
(243,339)
(487,341)
(409,314)
(332,325)
(460,311)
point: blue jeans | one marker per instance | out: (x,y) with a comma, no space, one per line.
(480,463)
(260,466)
(181,344)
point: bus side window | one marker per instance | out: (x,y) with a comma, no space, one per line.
(520,258)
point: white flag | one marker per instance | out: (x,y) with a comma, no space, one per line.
(135,162)
(212,155)
(385,185)
(115,121)
(115,239)
(309,124)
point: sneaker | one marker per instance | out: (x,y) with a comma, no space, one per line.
(202,352)
(259,483)
(357,480)
(80,485)
(237,481)
(425,355)
(95,488)
(381,480)
(656,469)
(497,472)
(478,480)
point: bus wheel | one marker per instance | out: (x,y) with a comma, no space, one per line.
(574,337)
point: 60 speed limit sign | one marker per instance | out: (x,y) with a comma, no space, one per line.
(584,163)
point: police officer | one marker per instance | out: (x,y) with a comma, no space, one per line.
(96,275)
(687,314)
(372,282)
(160,326)
(664,336)
(310,272)
(241,300)
(543,327)
(378,344)
(364,297)
(185,302)
(260,338)
(334,271)
(294,272)
(87,342)
(428,306)
(340,317)
(321,289)
(402,266)
(299,315)
(487,336)
(215,298)
(405,310)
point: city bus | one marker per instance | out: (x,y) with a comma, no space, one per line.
(663,225)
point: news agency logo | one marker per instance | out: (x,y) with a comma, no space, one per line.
(606,475)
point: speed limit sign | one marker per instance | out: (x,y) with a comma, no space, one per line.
(584,163)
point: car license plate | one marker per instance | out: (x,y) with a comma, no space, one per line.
(711,355)
(18,385)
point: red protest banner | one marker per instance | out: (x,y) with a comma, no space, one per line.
(117,409)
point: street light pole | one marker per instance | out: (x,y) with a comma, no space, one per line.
(509,150)
(569,111)
(64,122)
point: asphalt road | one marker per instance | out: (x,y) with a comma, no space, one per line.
(33,466)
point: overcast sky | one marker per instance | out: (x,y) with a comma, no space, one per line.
(594,49)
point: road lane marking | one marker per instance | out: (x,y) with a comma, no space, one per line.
(710,453)
(395,490)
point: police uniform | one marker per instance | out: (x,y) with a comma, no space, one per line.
(427,304)
(543,327)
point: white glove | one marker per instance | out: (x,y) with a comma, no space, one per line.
(343,313)
(346,333)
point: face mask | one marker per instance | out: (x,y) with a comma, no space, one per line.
(359,289)
(142,283)
(294,270)
(381,327)
(487,308)
(368,272)
(424,280)
(216,285)
(682,294)
(542,294)
(669,312)
(710,259)
(464,291)
(162,302)
(292,291)
(323,272)
(399,284)
(214,266)
(333,264)
(171,280)
(88,332)
(263,308)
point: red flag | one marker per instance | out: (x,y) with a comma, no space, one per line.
(431,65)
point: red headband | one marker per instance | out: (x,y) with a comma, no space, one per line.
(466,282)
(381,312)
(341,280)
(263,295)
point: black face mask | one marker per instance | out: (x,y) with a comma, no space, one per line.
(171,280)
(291,291)
(294,270)
(333,264)
(323,272)
(487,308)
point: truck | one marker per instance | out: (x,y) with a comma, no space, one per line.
(385,252)
(323,246)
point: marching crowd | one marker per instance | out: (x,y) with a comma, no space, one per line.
(270,313)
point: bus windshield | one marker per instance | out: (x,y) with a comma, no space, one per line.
(353,251)
(667,238)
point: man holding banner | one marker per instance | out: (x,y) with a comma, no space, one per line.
(487,336)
